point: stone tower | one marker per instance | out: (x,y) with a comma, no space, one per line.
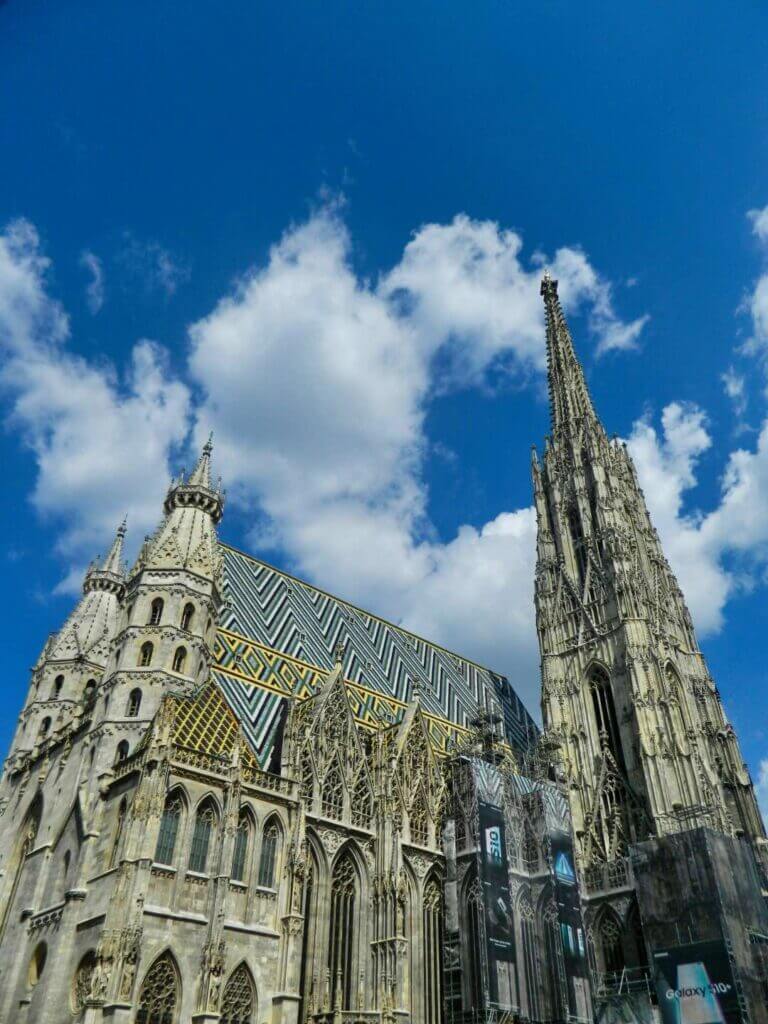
(641,737)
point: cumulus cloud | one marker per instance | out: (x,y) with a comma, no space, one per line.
(94,290)
(311,374)
(101,439)
(713,553)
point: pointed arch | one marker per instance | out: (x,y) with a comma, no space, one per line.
(133,705)
(242,849)
(81,982)
(179,659)
(418,819)
(344,927)
(608,930)
(176,805)
(269,854)
(25,842)
(206,823)
(145,654)
(362,800)
(37,964)
(160,993)
(332,794)
(432,934)
(604,711)
(155,612)
(238,1002)
(121,751)
(187,616)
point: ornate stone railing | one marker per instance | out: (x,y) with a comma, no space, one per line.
(254,776)
(614,874)
(199,759)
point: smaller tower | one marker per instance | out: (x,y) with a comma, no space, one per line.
(172,598)
(70,669)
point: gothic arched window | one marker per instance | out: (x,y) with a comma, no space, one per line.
(37,964)
(24,845)
(169,829)
(89,693)
(145,654)
(45,725)
(333,793)
(179,659)
(122,751)
(81,983)
(530,965)
(156,612)
(239,997)
(159,996)
(610,944)
(419,820)
(58,683)
(240,849)
(362,802)
(134,703)
(187,616)
(270,844)
(121,812)
(433,951)
(342,934)
(605,713)
(205,822)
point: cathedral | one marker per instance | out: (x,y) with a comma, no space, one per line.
(233,797)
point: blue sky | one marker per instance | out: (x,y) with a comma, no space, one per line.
(317,229)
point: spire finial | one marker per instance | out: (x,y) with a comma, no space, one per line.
(568,394)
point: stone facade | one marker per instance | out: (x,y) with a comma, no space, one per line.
(153,871)
(630,710)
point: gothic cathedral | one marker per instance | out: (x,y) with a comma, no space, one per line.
(232,797)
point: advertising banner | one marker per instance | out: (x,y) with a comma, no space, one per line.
(571,926)
(694,984)
(499,925)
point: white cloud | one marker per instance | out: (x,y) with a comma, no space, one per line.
(101,440)
(94,290)
(316,385)
(717,552)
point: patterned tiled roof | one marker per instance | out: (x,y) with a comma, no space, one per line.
(277,636)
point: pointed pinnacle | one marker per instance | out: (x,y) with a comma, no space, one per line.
(114,558)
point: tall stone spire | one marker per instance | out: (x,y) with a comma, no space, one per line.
(626,694)
(570,403)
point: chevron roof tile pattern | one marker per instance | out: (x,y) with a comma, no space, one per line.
(277,636)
